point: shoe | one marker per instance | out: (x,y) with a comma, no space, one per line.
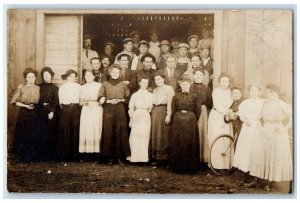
(111,162)
(120,162)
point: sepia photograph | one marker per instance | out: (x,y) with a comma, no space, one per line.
(150,101)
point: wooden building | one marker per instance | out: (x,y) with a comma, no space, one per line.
(253,46)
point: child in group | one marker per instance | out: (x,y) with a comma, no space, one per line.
(233,116)
(250,112)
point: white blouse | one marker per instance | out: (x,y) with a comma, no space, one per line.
(142,99)
(69,93)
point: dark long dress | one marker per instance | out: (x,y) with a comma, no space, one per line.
(25,140)
(48,128)
(184,139)
(114,140)
(204,98)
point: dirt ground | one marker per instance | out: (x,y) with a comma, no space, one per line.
(90,177)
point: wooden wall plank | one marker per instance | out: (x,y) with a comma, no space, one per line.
(17,61)
(236,45)
(271,47)
(253,49)
(30,35)
(286,68)
(225,42)
(217,65)
(62,45)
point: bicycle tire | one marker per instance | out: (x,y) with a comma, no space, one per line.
(215,148)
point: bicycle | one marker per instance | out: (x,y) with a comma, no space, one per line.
(224,145)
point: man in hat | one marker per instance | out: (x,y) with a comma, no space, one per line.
(174,42)
(154,44)
(87,53)
(206,41)
(207,63)
(193,42)
(128,46)
(136,61)
(165,48)
(147,60)
(183,61)
(109,51)
(135,36)
(128,76)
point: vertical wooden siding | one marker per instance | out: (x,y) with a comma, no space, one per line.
(257,47)
(62,44)
(21,45)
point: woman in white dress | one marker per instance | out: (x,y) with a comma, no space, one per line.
(91,115)
(250,112)
(222,101)
(140,105)
(272,158)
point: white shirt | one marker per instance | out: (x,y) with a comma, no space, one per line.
(86,61)
(69,93)
(205,61)
(154,49)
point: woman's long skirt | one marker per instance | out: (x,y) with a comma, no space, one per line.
(159,133)
(47,133)
(68,136)
(114,140)
(140,135)
(217,127)
(25,144)
(90,128)
(203,141)
(271,158)
(245,147)
(184,143)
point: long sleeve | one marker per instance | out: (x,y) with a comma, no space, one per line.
(126,91)
(220,102)
(102,91)
(132,80)
(173,107)
(208,98)
(197,109)
(171,94)
(131,105)
(17,95)
(55,101)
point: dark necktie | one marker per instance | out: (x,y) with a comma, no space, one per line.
(87,53)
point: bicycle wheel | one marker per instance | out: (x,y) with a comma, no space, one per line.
(221,155)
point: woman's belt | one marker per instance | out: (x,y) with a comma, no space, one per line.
(71,104)
(160,104)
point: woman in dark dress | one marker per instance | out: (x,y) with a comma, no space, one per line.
(184,139)
(204,99)
(26,97)
(69,95)
(48,115)
(114,141)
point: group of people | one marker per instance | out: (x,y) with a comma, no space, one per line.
(142,108)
